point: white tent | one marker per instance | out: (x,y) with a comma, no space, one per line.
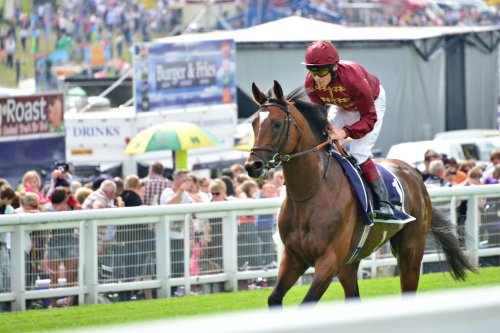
(436,78)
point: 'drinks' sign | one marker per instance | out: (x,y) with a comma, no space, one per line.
(178,75)
(24,115)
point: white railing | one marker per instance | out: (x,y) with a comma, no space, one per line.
(90,286)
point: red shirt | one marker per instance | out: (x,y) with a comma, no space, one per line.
(354,89)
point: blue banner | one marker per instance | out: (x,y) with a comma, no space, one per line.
(178,75)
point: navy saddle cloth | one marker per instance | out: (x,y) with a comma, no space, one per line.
(394,189)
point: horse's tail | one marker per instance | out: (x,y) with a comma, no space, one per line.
(446,235)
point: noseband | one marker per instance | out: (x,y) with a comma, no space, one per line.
(278,158)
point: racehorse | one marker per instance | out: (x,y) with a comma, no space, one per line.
(321,222)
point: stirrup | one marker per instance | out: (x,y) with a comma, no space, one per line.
(384,214)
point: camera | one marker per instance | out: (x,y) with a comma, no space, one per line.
(61,166)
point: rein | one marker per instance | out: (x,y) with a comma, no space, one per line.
(277,159)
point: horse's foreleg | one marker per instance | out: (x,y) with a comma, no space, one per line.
(348,276)
(325,269)
(291,268)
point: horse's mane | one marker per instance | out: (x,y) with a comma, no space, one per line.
(316,115)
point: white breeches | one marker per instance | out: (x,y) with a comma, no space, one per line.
(361,148)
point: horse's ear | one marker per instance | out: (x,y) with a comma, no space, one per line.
(258,96)
(278,91)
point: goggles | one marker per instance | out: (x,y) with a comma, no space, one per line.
(321,72)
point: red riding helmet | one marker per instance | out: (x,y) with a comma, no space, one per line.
(321,53)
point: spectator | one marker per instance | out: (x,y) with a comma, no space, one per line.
(82,193)
(437,174)
(450,175)
(103,197)
(218,191)
(31,183)
(60,172)
(279,183)
(230,190)
(429,156)
(194,190)
(465,167)
(70,200)
(237,170)
(10,49)
(154,184)
(35,241)
(494,161)
(249,243)
(7,194)
(474,176)
(454,175)
(265,225)
(489,229)
(178,193)
(62,247)
(495,176)
(135,243)
(205,186)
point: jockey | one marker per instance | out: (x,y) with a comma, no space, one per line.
(360,106)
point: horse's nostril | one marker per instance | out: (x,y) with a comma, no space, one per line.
(258,164)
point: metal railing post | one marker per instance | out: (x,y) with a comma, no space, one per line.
(230,250)
(90,258)
(472,228)
(163,256)
(18,268)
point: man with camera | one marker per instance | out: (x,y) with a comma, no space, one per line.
(61,177)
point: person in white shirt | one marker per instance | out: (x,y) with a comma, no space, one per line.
(178,193)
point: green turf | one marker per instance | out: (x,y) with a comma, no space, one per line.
(95,315)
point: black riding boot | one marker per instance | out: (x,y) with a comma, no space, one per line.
(382,208)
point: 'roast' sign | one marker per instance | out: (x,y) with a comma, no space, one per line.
(36,114)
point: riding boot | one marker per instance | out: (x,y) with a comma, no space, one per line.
(383,210)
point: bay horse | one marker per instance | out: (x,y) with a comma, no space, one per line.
(321,222)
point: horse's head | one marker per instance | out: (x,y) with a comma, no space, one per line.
(277,129)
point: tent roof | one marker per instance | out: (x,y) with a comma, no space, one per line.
(299,29)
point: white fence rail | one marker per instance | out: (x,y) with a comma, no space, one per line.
(181,249)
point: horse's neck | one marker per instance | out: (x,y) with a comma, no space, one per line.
(304,175)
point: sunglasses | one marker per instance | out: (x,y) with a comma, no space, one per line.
(215,193)
(319,72)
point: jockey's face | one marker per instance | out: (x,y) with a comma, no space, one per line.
(324,81)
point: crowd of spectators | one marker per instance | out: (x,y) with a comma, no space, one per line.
(53,255)
(443,171)
(79,23)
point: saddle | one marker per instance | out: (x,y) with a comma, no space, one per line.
(363,193)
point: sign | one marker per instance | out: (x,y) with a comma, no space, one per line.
(35,114)
(178,75)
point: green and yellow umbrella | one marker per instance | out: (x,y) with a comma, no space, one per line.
(176,136)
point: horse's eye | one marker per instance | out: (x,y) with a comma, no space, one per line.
(276,124)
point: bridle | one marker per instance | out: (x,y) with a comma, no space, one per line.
(284,136)
(278,158)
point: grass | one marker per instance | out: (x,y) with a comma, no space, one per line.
(96,315)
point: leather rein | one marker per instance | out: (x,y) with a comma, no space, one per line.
(278,159)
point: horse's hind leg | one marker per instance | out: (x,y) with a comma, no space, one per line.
(410,251)
(348,277)
(291,268)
